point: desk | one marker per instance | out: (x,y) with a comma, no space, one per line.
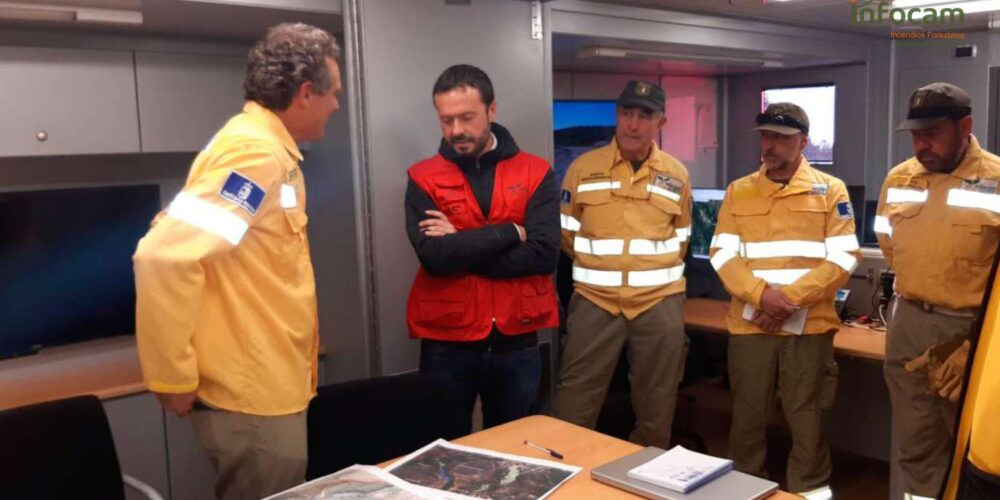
(710,315)
(580,446)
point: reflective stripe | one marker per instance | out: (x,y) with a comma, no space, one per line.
(882,225)
(656,277)
(595,277)
(598,186)
(843,259)
(786,248)
(200,213)
(845,243)
(726,240)
(780,276)
(972,199)
(651,247)
(663,192)
(911,496)
(288,198)
(897,195)
(721,257)
(598,247)
(822,493)
(683,233)
(569,223)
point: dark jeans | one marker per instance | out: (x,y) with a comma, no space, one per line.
(506,381)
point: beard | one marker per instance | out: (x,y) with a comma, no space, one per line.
(943,163)
(463,141)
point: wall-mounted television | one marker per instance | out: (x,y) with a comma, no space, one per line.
(819,102)
(580,126)
(66,264)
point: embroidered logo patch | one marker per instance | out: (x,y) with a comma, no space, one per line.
(845,210)
(819,189)
(567,196)
(668,183)
(243,192)
(980,185)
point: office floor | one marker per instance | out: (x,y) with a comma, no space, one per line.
(855,477)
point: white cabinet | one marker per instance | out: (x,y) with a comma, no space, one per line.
(58,101)
(185,98)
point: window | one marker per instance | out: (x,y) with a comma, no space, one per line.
(819,103)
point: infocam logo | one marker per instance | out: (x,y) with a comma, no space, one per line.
(882,12)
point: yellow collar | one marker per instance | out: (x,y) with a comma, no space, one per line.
(274,125)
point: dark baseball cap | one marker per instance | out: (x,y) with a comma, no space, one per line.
(935,103)
(784,118)
(643,94)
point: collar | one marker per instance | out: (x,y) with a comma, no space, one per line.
(969,167)
(802,180)
(274,125)
(653,161)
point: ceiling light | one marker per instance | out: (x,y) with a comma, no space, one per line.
(620,53)
(968,7)
(67,14)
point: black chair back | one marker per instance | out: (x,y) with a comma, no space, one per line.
(59,449)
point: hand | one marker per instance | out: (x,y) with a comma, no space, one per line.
(948,378)
(437,225)
(521,232)
(180,404)
(775,304)
(766,322)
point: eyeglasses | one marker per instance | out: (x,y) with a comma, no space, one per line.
(784,120)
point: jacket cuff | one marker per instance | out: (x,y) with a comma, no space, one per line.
(756,292)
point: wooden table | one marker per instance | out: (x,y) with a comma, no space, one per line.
(580,446)
(710,315)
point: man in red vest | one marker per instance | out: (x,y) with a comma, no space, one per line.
(483,217)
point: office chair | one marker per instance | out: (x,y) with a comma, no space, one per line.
(374,420)
(62,449)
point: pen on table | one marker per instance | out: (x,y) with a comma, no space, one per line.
(554,453)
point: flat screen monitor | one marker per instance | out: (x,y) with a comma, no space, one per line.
(704,214)
(66,264)
(579,127)
(819,103)
(871,211)
(857,194)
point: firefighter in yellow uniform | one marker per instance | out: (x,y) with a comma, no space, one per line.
(784,243)
(626,215)
(975,463)
(226,298)
(938,222)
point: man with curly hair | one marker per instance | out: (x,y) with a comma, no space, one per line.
(226,297)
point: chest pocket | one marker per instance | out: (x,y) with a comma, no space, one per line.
(751,218)
(808,218)
(974,238)
(449,196)
(599,217)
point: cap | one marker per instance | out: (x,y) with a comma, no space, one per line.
(935,103)
(644,94)
(784,118)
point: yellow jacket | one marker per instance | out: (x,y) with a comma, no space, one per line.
(977,439)
(939,231)
(798,237)
(226,298)
(626,231)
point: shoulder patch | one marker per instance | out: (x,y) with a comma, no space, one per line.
(844,210)
(567,196)
(243,192)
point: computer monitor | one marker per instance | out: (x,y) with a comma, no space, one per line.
(857,194)
(871,211)
(704,215)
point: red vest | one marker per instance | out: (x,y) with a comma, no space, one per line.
(463,307)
